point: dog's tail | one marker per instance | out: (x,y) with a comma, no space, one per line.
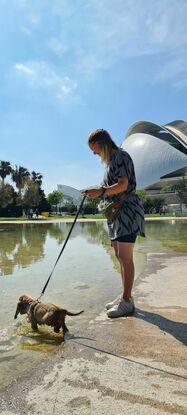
(73,314)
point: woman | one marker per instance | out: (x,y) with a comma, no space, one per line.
(119,183)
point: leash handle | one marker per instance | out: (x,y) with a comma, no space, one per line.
(69,233)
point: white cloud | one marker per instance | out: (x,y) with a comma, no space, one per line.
(25,69)
(99,34)
(57,46)
(32,11)
(174,71)
(33,18)
(171,69)
(140,25)
(181,83)
(41,76)
(114,31)
(25,30)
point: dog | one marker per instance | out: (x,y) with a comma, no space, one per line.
(40,313)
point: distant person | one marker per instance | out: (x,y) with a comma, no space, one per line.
(31,213)
(119,183)
(37,213)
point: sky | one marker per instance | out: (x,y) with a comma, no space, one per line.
(70,66)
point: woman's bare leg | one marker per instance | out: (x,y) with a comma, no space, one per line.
(125,255)
(124,305)
(115,246)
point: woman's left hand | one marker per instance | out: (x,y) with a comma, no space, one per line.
(92,193)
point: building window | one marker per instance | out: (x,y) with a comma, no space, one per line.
(168,138)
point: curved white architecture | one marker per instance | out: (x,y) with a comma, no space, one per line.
(73,194)
(157,151)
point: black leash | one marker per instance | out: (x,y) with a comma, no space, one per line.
(77,214)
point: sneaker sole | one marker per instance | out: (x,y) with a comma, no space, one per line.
(108,308)
(131,313)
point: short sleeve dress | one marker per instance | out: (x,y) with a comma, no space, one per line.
(131,216)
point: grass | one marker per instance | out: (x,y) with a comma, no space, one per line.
(21,218)
(156,215)
(86,216)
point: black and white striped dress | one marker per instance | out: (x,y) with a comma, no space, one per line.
(131,217)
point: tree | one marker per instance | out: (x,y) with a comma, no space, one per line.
(20,176)
(142,194)
(54,198)
(67,198)
(36,178)
(6,194)
(71,208)
(147,205)
(152,204)
(5,169)
(31,197)
(44,205)
(179,188)
(90,206)
(158,203)
(29,192)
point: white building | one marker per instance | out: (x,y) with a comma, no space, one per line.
(158,152)
(73,195)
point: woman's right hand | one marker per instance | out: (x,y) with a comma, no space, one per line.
(92,193)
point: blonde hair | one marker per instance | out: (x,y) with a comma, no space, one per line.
(106,144)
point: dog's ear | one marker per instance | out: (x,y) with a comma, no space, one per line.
(23,297)
(17,310)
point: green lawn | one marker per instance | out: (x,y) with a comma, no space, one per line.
(21,218)
(156,215)
(18,219)
(89,216)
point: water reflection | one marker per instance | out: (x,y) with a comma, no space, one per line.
(85,277)
(58,232)
(22,245)
(170,234)
(95,233)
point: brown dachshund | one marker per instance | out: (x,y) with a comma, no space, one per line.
(38,313)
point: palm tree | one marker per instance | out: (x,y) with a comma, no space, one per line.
(36,178)
(31,194)
(5,169)
(20,176)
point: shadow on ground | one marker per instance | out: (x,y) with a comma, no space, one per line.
(175,328)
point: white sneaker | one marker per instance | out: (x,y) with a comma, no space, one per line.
(112,303)
(122,309)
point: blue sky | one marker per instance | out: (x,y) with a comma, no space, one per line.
(69,66)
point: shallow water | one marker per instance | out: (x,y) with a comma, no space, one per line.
(86,277)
